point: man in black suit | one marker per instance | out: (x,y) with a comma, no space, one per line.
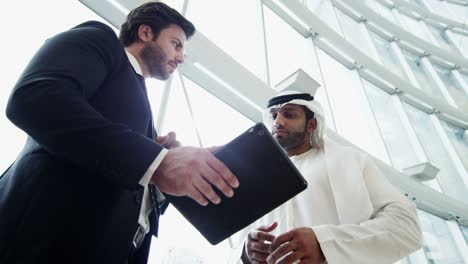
(87,186)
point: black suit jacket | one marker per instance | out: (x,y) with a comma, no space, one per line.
(72,195)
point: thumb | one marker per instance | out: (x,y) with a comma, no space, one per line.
(213,149)
(268,228)
(162,139)
(171,135)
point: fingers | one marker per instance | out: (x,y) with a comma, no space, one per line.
(297,244)
(212,176)
(168,141)
(198,197)
(193,172)
(216,173)
(281,239)
(291,258)
(171,136)
(257,250)
(205,189)
(176,144)
(227,181)
(258,257)
(257,245)
(217,180)
(268,228)
(261,236)
(162,140)
(223,171)
(260,247)
(281,251)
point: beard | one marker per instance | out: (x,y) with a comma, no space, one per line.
(293,139)
(156,60)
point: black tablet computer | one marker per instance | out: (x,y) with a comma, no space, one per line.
(267,179)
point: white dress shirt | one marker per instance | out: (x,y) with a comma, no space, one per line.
(146,207)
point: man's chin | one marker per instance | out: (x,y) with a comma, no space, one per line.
(161,77)
(280,140)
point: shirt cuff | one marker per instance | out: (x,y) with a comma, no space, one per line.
(152,168)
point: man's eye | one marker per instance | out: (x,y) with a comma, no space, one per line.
(273,116)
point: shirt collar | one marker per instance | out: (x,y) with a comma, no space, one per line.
(134,63)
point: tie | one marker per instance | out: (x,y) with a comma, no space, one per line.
(158,209)
(151,132)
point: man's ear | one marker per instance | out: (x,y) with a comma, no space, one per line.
(145,33)
(311,125)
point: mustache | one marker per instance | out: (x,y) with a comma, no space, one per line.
(279,128)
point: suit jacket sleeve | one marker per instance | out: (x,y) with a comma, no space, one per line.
(50,102)
(392,232)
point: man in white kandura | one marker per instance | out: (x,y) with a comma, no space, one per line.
(349,213)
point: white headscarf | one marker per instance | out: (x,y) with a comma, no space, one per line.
(316,138)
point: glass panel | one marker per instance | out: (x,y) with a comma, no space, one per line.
(417,257)
(45,22)
(155,89)
(422,75)
(300,51)
(177,117)
(460,11)
(459,139)
(240,38)
(456,91)
(441,37)
(439,8)
(392,129)
(434,4)
(448,177)
(465,78)
(353,116)
(387,54)
(176,4)
(414,26)
(418,2)
(461,42)
(384,10)
(439,246)
(464,231)
(215,129)
(169,247)
(356,33)
(324,9)
(301,54)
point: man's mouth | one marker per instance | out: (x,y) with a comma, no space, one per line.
(280,132)
(173,65)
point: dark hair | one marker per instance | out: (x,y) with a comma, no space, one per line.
(158,16)
(308,114)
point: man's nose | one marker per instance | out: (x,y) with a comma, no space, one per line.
(180,57)
(278,121)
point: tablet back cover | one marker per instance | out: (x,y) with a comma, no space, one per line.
(267,179)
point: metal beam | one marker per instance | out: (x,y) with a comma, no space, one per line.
(219,74)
